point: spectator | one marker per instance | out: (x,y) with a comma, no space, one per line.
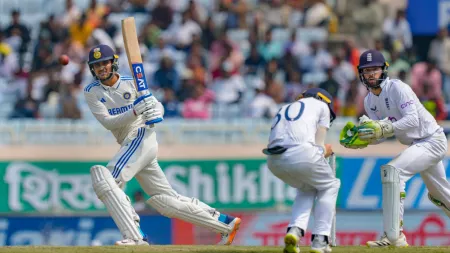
(161,49)
(8,60)
(398,32)
(293,86)
(81,30)
(439,51)
(379,46)
(25,108)
(170,104)
(236,10)
(369,20)
(433,103)
(426,74)
(167,76)
(18,31)
(317,14)
(162,15)
(228,88)
(71,15)
(397,64)
(198,106)
(255,63)
(269,48)
(262,106)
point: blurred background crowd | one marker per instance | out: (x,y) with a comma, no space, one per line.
(218,58)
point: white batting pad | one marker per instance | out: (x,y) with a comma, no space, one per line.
(116,202)
(186,210)
(391,201)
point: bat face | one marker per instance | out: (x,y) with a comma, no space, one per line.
(139,77)
(133,51)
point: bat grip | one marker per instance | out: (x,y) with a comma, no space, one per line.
(151,122)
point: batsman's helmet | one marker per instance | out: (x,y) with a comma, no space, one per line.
(103,53)
(372,58)
(321,95)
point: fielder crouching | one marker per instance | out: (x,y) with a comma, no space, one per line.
(296,154)
(393,109)
(114,102)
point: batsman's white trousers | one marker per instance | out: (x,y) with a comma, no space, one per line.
(137,157)
(425,157)
(305,168)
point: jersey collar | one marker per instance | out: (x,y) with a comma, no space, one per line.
(115,86)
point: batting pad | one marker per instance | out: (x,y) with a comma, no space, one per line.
(391,201)
(116,202)
(174,208)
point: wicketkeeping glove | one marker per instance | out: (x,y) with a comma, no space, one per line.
(376,130)
(349,137)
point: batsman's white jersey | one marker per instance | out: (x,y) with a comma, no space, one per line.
(399,103)
(113,106)
(415,127)
(297,123)
(303,165)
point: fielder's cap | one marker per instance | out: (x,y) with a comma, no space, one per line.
(320,94)
(371,58)
(101,53)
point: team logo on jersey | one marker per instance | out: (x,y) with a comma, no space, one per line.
(97,53)
(126,95)
(386,100)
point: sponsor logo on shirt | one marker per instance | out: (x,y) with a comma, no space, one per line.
(404,105)
(120,110)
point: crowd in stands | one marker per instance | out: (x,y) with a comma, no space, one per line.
(213,58)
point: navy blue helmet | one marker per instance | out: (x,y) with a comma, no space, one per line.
(321,95)
(372,58)
(103,53)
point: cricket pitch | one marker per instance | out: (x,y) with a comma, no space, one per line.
(201,249)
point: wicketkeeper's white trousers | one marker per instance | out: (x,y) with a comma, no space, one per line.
(306,169)
(425,157)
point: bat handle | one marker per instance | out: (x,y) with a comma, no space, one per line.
(151,122)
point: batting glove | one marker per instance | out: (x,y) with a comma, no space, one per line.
(144,103)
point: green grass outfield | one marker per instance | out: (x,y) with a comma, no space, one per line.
(202,249)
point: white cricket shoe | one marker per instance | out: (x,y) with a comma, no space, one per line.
(319,245)
(384,242)
(291,243)
(131,242)
(227,239)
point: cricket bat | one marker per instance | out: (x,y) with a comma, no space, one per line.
(133,51)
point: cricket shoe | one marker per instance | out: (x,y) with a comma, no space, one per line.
(234,223)
(320,244)
(291,243)
(131,242)
(384,242)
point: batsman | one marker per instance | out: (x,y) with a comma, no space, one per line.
(116,104)
(393,109)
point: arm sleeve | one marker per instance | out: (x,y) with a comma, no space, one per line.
(407,107)
(320,136)
(324,120)
(101,113)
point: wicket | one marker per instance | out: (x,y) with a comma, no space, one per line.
(332,162)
